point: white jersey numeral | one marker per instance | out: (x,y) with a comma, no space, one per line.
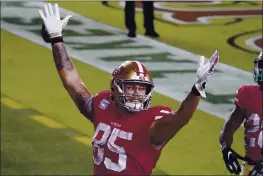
(260,143)
(255,127)
(98,145)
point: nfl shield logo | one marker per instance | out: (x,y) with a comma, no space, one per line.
(103,104)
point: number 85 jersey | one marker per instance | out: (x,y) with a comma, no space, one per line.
(121,143)
(249,99)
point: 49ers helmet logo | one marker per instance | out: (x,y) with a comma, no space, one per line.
(118,70)
(142,77)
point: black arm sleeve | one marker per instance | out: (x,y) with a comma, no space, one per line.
(88,110)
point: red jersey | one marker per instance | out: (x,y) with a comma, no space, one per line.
(121,143)
(249,99)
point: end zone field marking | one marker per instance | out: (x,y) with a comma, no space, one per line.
(84,139)
(47,122)
(11,103)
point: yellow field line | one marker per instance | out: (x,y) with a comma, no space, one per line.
(10,103)
(48,122)
(84,139)
(45,120)
(53,124)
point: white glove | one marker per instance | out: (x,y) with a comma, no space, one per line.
(204,70)
(52,20)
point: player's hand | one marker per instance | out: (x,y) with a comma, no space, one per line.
(52,20)
(257,170)
(204,70)
(230,158)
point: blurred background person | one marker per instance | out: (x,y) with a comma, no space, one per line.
(105,3)
(148,11)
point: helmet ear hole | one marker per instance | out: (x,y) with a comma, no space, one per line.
(149,88)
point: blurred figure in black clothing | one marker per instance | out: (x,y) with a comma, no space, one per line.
(148,11)
(105,3)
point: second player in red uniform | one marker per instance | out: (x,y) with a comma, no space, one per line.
(249,104)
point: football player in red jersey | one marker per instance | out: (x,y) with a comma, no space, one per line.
(129,134)
(249,103)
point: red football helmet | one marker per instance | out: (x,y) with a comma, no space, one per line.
(136,73)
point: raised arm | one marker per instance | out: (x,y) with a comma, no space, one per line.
(231,125)
(236,118)
(70,77)
(68,74)
(165,128)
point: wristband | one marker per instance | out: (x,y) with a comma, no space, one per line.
(195,91)
(56,40)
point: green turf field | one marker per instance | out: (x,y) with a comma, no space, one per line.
(42,131)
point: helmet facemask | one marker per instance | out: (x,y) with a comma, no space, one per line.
(133,102)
